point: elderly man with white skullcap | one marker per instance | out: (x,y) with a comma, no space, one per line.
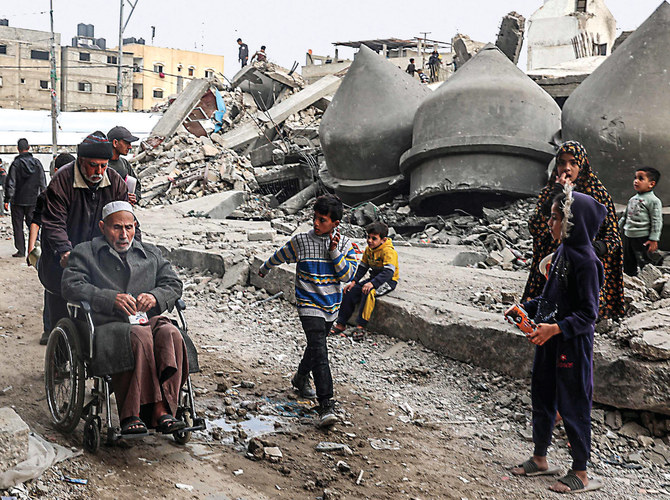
(128,285)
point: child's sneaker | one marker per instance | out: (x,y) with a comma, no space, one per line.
(304,387)
(327,415)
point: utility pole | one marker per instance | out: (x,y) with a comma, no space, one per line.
(54,95)
(423,48)
(119,57)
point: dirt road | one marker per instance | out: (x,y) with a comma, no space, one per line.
(418,426)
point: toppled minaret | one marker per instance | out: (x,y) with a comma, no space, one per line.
(510,37)
(368,126)
(483,137)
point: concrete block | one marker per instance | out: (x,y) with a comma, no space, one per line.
(260,235)
(280,279)
(215,206)
(237,274)
(208,150)
(14,434)
(194,258)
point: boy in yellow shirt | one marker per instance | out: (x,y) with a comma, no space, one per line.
(381,259)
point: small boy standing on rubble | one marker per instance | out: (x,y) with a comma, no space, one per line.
(325,260)
(381,259)
(641,222)
(565,314)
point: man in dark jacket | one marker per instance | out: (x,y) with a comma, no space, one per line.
(72,209)
(243,54)
(126,281)
(25,181)
(122,140)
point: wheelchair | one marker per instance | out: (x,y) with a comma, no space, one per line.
(67,367)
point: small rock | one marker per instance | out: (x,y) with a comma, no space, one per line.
(273,454)
(404,210)
(343,466)
(613,419)
(247,384)
(181,486)
(645,441)
(632,430)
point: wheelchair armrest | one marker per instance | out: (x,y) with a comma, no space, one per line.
(86,306)
(181,305)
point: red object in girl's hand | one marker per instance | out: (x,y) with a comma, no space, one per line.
(518,316)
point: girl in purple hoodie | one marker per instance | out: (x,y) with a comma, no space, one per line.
(566,313)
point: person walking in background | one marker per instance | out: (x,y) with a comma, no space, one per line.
(243,54)
(25,181)
(122,140)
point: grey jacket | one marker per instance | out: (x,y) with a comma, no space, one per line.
(95,273)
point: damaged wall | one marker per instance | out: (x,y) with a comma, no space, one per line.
(554,27)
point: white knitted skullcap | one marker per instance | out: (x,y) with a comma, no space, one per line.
(116,206)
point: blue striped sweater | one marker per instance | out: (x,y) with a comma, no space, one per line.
(319,272)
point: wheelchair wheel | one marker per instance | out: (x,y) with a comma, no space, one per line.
(64,376)
(92,434)
(179,436)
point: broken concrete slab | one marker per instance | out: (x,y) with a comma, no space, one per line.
(510,36)
(180,108)
(249,132)
(237,274)
(14,434)
(215,206)
(195,258)
(654,345)
(295,203)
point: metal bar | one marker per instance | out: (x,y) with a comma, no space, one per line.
(119,92)
(54,98)
(108,406)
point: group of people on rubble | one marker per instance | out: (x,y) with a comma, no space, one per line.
(243,54)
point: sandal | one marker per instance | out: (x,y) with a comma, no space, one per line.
(572,481)
(133,425)
(360,334)
(334,330)
(167,424)
(531,469)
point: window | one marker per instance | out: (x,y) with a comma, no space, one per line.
(179,68)
(112,60)
(138,91)
(84,56)
(85,87)
(209,73)
(43,55)
(599,49)
(23,80)
(191,71)
(111,89)
(3,49)
(158,68)
(581,6)
(158,93)
(44,84)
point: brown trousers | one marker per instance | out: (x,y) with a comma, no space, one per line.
(161,369)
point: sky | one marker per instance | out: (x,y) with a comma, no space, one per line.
(289,27)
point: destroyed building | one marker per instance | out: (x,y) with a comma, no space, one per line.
(564,30)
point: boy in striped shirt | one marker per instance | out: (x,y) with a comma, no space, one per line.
(325,260)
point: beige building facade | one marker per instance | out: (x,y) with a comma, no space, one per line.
(25,68)
(89,79)
(160,72)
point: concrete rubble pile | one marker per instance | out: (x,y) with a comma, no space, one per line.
(197,150)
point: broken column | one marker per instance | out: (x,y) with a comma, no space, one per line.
(510,37)
(368,125)
(464,49)
(620,112)
(482,137)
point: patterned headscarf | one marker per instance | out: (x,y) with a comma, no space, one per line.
(612,304)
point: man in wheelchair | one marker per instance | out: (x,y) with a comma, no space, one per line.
(128,285)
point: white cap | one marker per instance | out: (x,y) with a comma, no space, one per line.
(116,206)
